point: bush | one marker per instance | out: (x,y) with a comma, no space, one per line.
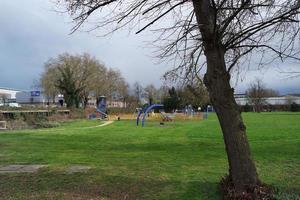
(247,108)
(295,107)
(30,120)
(59,117)
(39,121)
(17,124)
(2,118)
(77,114)
(46,124)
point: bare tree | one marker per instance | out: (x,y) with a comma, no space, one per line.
(78,77)
(138,92)
(217,34)
(4,99)
(47,82)
(257,94)
(194,95)
(152,93)
(115,84)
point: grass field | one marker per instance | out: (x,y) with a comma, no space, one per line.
(181,160)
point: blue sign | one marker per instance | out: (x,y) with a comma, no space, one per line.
(35,93)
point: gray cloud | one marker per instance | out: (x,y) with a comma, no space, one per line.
(31,33)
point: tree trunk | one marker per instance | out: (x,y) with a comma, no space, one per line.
(242,169)
(85,101)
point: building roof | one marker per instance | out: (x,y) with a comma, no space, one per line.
(12,89)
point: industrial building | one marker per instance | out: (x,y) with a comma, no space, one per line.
(8,95)
(31,97)
(243,99)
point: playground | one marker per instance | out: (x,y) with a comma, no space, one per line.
(181,160)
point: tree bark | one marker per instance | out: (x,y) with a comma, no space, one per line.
(242,170)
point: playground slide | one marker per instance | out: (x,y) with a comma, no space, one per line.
(145,112)
(103,113)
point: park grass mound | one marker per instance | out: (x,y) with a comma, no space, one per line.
(184,161)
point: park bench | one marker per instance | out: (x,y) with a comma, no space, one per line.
(3,125)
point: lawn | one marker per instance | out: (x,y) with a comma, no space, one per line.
(181,160)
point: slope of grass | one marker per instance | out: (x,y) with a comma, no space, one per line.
(181,160)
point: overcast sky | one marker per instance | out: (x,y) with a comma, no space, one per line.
(31,33)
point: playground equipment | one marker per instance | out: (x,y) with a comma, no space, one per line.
(145,112)
(208,109)
(101,109)
(167,117)
(188,110)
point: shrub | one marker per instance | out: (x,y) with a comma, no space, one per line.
(247,108)
(33,120)
(59,117)
(46,124)
(2,117)
(17,124)
(295,107)
(77,114)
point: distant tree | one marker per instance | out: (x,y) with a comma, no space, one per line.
(247,108)
(68,85)
(48,80)
(78,77)
(162,92)
(131,103)
(289,101)
(172,101)
(123,90)
(193,93)
(151,93)
(138,91)
(93,74)
(257,94)
(116,86)
(271,93)
(4,98)
(295,107)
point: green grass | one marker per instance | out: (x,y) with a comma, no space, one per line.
(181,160)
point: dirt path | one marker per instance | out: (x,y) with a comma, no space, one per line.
(59,129)
(101,125)
(20,168)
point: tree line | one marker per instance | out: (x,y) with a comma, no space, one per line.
(173,97)
(81,77)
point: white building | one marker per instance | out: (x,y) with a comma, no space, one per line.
(8,94)
(242,99)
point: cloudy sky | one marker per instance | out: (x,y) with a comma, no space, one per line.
(31,33)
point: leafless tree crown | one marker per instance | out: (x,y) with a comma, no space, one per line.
(242,28)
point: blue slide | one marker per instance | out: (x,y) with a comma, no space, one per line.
(145,111)
(102,107)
